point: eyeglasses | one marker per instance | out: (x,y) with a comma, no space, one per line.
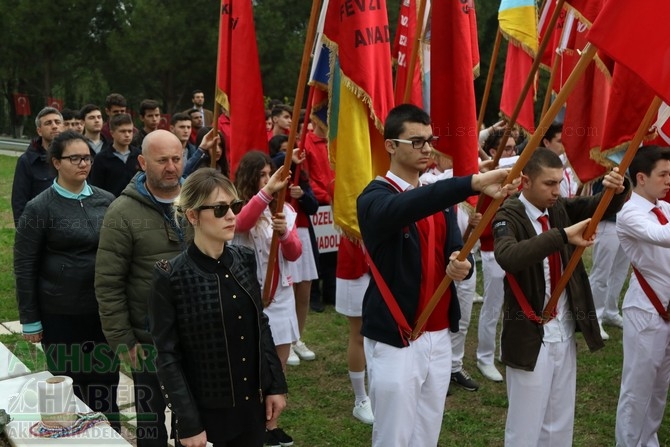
(221,209)
(418,143)
(76,159)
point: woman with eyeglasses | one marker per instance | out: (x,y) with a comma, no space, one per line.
(216,357)
(54,264)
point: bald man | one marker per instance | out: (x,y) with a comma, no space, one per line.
(138,231)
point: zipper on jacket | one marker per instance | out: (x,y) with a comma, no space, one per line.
(223,322)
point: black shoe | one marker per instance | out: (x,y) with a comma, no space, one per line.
(317,306)
(463,379)
(277,438)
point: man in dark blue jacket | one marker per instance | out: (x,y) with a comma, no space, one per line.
(33,173)
(412,242)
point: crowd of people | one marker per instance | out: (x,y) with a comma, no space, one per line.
(130,247)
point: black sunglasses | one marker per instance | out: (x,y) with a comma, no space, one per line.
(221,210)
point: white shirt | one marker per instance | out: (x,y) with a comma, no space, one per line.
(561,328)
(570,183)
(647,244)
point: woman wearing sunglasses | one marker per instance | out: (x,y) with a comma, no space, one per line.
(54,263)
(215,353)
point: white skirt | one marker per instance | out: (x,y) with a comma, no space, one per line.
(283,320)
(349,295)
(304,268)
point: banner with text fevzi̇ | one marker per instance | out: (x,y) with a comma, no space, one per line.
(361,95)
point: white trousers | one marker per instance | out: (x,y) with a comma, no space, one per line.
(466,294)
(542,402)
(494,294)
(644,379)
(408,389)
(609,271)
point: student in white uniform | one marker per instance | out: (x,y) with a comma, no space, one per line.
(645,238)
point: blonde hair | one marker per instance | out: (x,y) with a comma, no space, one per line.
(196,189)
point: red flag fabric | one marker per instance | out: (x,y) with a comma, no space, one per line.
(21,104)
(164,123)
(550,52)
(584,118)
(239,87)
(585,10)
(56,103)
(636,34)
(361,32)
(405,39)
(360,97)
(453,57)
(629,100)
(517,67)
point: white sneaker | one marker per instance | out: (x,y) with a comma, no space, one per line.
(293,359)
(303,351)
(363,412)
(615,321)
(478,298)
(490,372)
(604,335)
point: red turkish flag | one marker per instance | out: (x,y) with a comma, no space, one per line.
(21,104)
(56,103)
(164,123)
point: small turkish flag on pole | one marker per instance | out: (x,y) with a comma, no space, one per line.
(21,104)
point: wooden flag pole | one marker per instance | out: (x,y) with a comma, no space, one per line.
(552,76)
(303,136)
(522,97)
(300,91)
(587,56)
(415,51)
(489,79)
(608,194)
(217,106)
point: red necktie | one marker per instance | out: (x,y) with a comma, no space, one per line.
(555,267)
(661,217)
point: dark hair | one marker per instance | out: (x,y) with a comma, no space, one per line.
(223,161)
(493,140)
(279,109)
(193,110)
(88,108)
(148,104)
(197,90)
(399,115)
(59,144)
(179,117)
(275,144)
(645,160)
(68,114)
(115,99)
(248,173)
(542,158)
(119,120)
(552,130)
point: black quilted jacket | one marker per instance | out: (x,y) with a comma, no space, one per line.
(186,323)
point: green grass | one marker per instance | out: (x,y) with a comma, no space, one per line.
(320,398)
